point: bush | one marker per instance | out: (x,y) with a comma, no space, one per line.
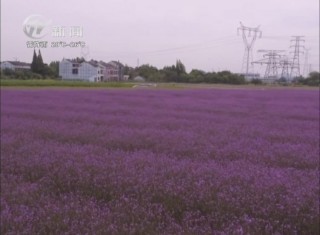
(256,81)
(7,72)
(313,79)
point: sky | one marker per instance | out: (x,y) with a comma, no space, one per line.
(201,33)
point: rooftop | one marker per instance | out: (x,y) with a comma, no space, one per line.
(18,63)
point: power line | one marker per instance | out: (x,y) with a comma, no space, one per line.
(222,39)
(191,47)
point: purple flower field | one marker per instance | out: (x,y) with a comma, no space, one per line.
(212,161)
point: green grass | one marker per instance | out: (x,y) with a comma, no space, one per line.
(59,83)
(38,83)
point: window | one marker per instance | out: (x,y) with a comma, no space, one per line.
(74,71)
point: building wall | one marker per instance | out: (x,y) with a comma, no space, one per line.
(75,71)
(113,72)
(7,65)
(89,72)
(22,67)
(65,70)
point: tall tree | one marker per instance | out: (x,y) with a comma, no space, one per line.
(40,63)
(54,68)
(34,64)
(181,69)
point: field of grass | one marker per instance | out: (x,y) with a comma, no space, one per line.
(132,161)
(61,83)
(38,83)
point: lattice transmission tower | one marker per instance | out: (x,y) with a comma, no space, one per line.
(285,65)
(271,58)
(249,36)
(298,49)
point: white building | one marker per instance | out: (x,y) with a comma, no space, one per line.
(87,71)
(114,71)
(139,79)
(15,65)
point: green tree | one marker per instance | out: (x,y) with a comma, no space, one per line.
(37,65)
(40,64)
(34,63)
(7,72)
(174,73)
(150,73)
(127,70)
(257,81)
(196,76)
(79,59)
(180,68)
(54,69)
(170,74)
(313,79)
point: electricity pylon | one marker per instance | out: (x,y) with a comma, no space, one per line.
(285,65)
(295,66)
(272,60)
(249,36)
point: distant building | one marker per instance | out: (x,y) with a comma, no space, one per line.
(269,80)
(87,70)
(93,71)
(250,76)
(15,65)
(139,79)
(114,71)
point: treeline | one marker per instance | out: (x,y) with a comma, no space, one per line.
(312,80)
(40,68)
(177,73)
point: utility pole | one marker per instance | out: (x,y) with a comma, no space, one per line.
(295,67)
(272,60)
(249,36)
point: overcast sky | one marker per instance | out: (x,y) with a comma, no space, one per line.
(201,33)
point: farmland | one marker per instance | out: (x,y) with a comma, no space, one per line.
(155,161)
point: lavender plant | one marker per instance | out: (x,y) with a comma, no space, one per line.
(159,161)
